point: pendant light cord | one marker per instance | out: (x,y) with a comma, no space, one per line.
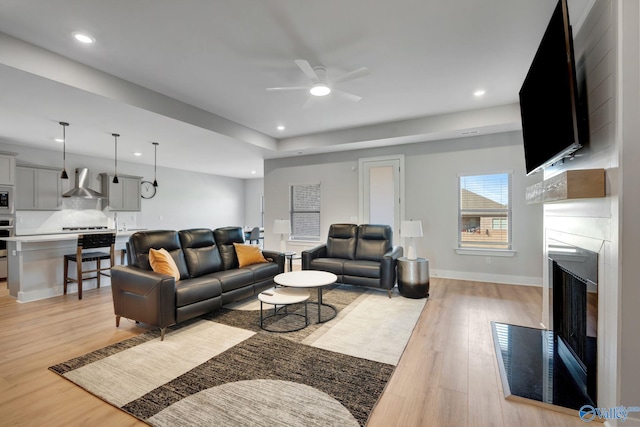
(155,163)
(115,177)
(64,174)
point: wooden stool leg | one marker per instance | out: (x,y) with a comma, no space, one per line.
(99,273)
(66,274)
(79,268)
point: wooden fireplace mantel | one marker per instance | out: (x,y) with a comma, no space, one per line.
(570,184)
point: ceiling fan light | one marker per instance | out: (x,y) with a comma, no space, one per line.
(320,89)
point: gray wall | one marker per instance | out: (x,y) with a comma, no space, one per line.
(431,172)
(253,193)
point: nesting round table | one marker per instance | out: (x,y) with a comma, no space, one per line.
(310,279)
(283,297)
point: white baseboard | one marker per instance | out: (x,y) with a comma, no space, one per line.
(58,290)
(485,277)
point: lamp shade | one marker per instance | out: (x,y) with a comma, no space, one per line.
(411,229)
(282,226)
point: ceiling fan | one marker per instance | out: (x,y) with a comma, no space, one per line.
(320,86)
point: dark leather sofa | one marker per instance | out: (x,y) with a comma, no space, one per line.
(209,276)
(361,255)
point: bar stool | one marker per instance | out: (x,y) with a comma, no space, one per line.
(90,241)
(254,235)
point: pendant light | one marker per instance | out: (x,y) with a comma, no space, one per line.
(155,162)
(64,174)
(115,176)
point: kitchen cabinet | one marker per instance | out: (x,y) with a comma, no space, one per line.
(38,188)
(124,196)
(7,169)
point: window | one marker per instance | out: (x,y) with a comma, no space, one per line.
(305,212)
(484,215)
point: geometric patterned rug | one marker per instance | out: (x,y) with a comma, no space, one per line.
(222,369)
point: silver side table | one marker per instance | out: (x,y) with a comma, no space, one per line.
(413,277)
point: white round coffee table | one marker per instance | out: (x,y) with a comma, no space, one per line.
(283,297)
(309,279)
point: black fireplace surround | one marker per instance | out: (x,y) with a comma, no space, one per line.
(557,366)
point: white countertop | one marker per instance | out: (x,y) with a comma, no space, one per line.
(63,236)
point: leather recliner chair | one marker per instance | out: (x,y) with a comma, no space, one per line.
(361,255)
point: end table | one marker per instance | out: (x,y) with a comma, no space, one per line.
(413,277)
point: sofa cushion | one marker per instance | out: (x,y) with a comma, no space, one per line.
(225,237)
(373,241)
(341,241)
(141,241)
(162,262)
(248,255)
(264,270)
(200,252)
(362,268)
(198,289)
(234,279)
(332,265)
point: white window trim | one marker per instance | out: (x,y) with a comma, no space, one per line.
(290,238)
(487,251)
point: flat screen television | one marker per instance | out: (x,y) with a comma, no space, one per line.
(553,118)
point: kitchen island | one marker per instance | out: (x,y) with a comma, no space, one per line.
(36,264)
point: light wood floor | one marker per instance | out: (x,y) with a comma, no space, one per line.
(447,376)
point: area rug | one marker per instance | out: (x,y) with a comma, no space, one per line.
(222,369)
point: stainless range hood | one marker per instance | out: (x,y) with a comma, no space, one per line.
(81,190)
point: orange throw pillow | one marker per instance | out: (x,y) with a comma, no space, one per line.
(162,262)
(248,254)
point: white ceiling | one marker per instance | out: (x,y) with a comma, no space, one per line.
(192,74)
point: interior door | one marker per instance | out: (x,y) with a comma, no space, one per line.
(381,187)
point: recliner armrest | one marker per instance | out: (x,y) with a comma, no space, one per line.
(143,295)
(311,254)
(395,252)
(388,267)
(277,257)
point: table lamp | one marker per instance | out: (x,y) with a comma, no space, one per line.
(282,227)
(411,229)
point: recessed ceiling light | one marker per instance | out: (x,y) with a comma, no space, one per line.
(58,139)
(479,92)
(253,172)
(84,38)
(137,153)
(280,127)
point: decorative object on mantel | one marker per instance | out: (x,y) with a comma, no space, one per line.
(570,184)
(64,174)
(411,229)
(115,175)
(155,162)
(282,227)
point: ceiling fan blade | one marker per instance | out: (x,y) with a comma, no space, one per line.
(310,101)
(307,70)
(360,72)
(273,89)
(347,95)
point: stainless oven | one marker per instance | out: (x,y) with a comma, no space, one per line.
(6,200)
(6,230)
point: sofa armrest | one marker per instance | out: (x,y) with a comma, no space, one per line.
(277,257)
(311,254)
(388,267)
(143,295)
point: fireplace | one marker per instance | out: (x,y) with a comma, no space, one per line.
(556,366)
(573,300)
